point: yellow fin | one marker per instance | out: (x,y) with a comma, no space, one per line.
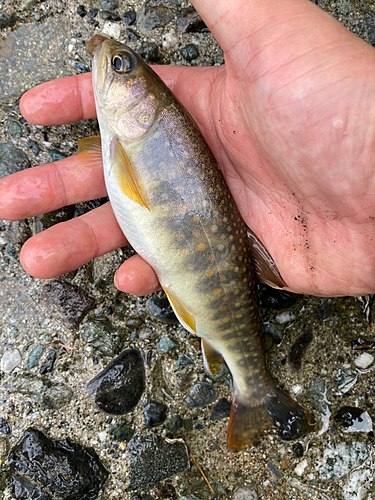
(90,150)
(122,170)
(185,318)
(213,361)
(264,266)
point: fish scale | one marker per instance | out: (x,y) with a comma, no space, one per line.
(172,203)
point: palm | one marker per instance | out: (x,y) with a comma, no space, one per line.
(290,121)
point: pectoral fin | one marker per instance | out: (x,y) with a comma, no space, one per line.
(90,150)
(264,266)
(184,317)
(124,175)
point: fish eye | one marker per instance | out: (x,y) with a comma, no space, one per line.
(122,63)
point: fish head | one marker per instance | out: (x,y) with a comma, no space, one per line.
(128,93)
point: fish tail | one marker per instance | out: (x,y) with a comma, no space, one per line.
(249,419)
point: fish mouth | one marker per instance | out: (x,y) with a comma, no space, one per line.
(100,49)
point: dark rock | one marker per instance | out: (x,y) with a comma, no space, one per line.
(99,333)
(272,330)
(119,387)
(272,467)
(270,298)
(71,301)
(152,460)
(92,13)
(34,357)
(121,431)
(43,469)
(347,415)
(48,364)
(81,10)
(189,52)
(160,308)
(132,36)
(189,21)
(48,393)
(150,52)
(166,344)
(14,129)
(87,206)
(299,348)
(106,15)
(34,146)
(154,413)
(5,427)
(7,20)
(221,410)
(297,449)
(184,360)
(156,14)
(12,159)
(80,67)
(55,154)
(369,17)
(108,4)
(198,427)
(174,423)
(18,232)
(49,219)
(129,17)
(322,313)
(201,395)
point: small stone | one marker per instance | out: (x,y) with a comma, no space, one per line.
(340,458)
(129,17)
(43,468)
(243,492)
(198,426)
(364,360)
(166,344)
(112,30)
(189,21)
(108,4)
(50,394)
(317,391)
(10,360)
(359,485)
(174,423)
(132,36)
(100,334)
(12,159)
(300,468)
(34,357)
(345,377)
(4,449)
(149,52)
(297,449)
(28,4)
(285,317)
(154,413)
(118,388)
(153,460)
(273,331)
(322,313)
(109,16)
(121,431)
(56,155)
(5,427)
(156,14)
(81,11)
(48,364)
(34,146)
(189,52)
(70,300)
(201,395)
(159,308)
(369,17)
(221,410)
(14,128)
(18,232)
(7,20)
(92,13)
(184,360)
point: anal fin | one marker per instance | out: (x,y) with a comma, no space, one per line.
(214,362)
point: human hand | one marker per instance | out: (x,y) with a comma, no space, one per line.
(290,119)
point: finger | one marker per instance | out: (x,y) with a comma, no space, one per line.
(59,101)
(69,245)
(137,277)
(41,189)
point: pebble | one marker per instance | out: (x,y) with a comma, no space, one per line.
(100,334)
(18,232)
(189,52)
(49,362)
(129,17)
(10,360)
(56,155)
(369,17)
(108,4)
(7,20)
(322,313)
(4,449)
(340,458)
(221,409)
(34,146)
(49,219)
(118,388)
(273,331)
(71,301)
(243,492)
(160,308)
(121,431)
(317,392)
(184,360)
(152,460)
(50,394)
(174,423)
(201,395)
(345,378)
(156,14)
(81,11)
(300,468)
(150,52)
(5,427)
(34,357)
(14,129)
(347,415)
(28,4)
(109,16)
(35,460)
(154,413)
(92,13)
(112,30)
(12,159)
(285,317)
(299,348)
(166,344)
(364,360)
(358,485)
(189,21)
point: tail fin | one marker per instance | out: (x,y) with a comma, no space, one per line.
(248,421)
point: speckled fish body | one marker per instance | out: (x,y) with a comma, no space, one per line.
(174,207)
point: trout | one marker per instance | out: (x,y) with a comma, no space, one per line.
(172,203)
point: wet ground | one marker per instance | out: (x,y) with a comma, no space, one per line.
(310,355)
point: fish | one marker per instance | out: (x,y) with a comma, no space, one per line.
(175,209)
